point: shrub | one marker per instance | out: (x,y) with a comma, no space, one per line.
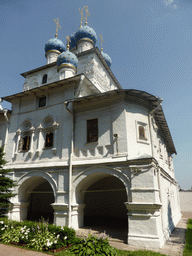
(93,246)
(40,236)
(6,186)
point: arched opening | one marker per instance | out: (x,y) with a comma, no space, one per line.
(38,193)
(104,203)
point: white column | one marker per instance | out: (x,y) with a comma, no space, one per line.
(54,149)
(18,133)
(39,140)
(32,130)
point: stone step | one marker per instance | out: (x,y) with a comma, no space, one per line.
(112,235)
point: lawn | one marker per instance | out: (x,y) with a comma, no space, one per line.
(119,253)
(188,245)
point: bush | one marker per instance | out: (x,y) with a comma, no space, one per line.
(40,236)
(6,186)
(93,246)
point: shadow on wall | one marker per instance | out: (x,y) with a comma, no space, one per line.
(170,218)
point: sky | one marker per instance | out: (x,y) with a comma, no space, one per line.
(149,42)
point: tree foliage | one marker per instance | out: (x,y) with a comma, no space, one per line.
(6,185)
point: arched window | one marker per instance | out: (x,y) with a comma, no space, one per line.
(44,80)
(49,140)
(25,137)
(141,132)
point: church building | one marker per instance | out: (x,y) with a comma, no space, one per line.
(84,151)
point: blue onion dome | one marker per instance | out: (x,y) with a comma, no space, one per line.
(107,58)
(54,45)
(67,59)
(86,32)
(73,41)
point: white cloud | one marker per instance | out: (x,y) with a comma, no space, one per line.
(171,3)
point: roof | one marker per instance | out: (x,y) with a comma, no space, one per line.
(98,53)
(153,102)
(42,88)
(95,50)
(25,74)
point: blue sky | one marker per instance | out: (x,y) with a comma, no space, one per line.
(149,41)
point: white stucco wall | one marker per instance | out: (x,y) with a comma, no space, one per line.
(186,201)
(3,126)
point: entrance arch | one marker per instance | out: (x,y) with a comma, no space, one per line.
(36,194)
(104,203)
(111,203)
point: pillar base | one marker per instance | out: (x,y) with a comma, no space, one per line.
(60,214)
(18,211)
(145,229)
(77,216)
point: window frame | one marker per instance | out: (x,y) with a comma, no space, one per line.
(42,98)
(52,139)
(142,139)
(44,79)
(92,126)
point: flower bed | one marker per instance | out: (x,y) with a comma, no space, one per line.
(43,236)
(39,236)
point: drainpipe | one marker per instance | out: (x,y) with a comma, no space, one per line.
(66,103)
(7,120)
(6,133)
(160,100)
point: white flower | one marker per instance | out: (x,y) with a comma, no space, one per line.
(3,228)
(49,243)
(58,236)
(65,237)
(2,222)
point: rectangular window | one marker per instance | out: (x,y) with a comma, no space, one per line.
(49,140)
(24,143)
(42,102)
(92,130)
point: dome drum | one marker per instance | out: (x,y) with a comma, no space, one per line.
(52,56)
(85,35)
(66,71)
(85,44)
(67,64)
(53,48)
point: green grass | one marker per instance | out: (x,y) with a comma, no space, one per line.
(188,245)
(119,253)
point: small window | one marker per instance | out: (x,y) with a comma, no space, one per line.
(42,102)
(142,133)
(44,80)
(49,140)
(92,130)
(24,143)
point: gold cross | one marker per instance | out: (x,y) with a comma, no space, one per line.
(68,42)
(82,18)
(57,27)
(86,14)
(102,41)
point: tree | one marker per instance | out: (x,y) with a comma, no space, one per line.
(6,185)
